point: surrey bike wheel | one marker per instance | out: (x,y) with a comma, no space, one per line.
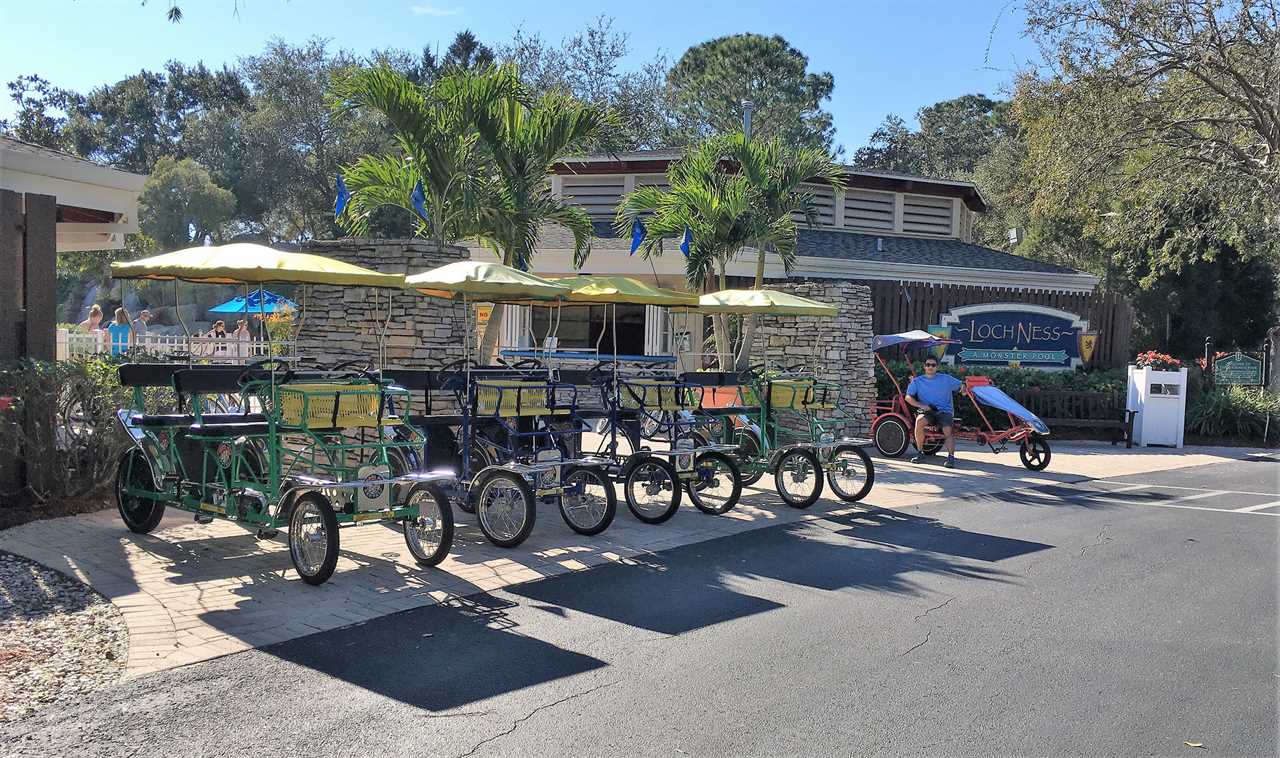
(481,458)
(504,506)
(588,502)
(716,484)
(313,538)
(850,473)
(430,535)
(798,477)
(652,490)
(140,514)
(748,455)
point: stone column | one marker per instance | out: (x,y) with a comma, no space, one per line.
(837,349)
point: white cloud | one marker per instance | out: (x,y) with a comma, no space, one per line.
(427,9)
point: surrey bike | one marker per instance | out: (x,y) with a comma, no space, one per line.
(778,418)
(315,457)
(509,454)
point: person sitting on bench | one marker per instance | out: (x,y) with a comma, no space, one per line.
(931,393)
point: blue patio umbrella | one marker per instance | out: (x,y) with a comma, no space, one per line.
(259,301)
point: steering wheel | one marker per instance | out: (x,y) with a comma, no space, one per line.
(363,367)
(253,371)
(457,365)
(528,363)
(600,373)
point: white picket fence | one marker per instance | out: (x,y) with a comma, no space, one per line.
(72,345)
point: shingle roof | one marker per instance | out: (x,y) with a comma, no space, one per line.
(20,146)
(822,243)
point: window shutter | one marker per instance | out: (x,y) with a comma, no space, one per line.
(923,214)
(597,195)
(823,202)
(864,209)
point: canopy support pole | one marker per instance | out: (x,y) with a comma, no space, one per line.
(177,310)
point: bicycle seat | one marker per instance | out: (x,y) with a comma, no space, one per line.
(160,420)
(231,418)
(237,429)
(729,410)
(442,419)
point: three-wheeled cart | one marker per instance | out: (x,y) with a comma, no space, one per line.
(893,418)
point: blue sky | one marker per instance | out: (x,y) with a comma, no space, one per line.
(886,57)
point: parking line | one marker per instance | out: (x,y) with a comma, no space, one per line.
(1193,489)
(1175,502)
(1253,508)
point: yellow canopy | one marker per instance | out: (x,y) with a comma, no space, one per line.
(247,263)
(487,282)
(764,302)
(623,290)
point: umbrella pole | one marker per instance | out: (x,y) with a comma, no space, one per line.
(247,351)
(302,317)
(262,316)
(382,342)
(177,310)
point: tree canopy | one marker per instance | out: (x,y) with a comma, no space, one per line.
(711,80)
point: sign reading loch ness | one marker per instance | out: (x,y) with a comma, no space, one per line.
(1008,334)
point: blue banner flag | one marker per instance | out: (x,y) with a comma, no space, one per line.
(340,203)
(637,236)
(419,200)
(687,241)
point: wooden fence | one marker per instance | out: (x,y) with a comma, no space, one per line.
(1109,315)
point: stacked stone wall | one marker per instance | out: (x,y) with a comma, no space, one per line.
(837,349)
(344,323)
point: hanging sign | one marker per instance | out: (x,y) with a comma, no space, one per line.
(1015,334)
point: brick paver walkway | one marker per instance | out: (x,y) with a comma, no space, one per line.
(190,592)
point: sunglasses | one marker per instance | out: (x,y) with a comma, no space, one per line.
(930,365)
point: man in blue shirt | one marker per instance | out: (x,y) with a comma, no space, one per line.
(931,393)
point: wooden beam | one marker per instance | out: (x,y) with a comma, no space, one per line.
(40,289)
(11,233)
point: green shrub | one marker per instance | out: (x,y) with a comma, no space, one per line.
(1013,380)
(64,414)
(1244,413)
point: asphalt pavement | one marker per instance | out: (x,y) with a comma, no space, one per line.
(1107,617)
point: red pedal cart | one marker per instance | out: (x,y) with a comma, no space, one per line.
(893,419)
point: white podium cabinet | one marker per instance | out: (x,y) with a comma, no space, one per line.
(1160,398)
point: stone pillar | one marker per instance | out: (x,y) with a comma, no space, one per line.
(837,349)
(343,323)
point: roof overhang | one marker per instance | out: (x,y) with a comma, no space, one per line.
(840,268)
(657,162)
(97,205)
(554,262)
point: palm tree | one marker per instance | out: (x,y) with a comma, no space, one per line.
(483,149)
(731,194)
(436,147)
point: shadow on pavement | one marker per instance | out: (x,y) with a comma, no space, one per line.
(462,651)
(685,588)
(470,648)
(921,533)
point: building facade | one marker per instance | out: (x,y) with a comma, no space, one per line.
(908,238)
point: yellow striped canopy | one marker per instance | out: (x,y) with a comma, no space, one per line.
(247,263)
(763,302)
(486,282)
(621,290)
(624,289)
